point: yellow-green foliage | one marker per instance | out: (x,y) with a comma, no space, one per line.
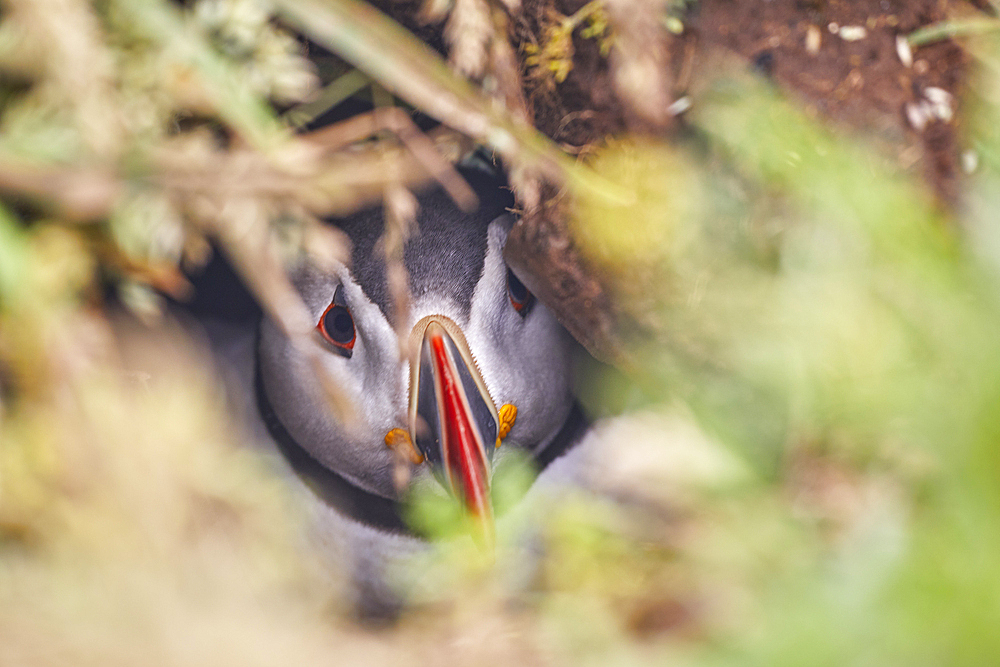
(134,530)
(552,60)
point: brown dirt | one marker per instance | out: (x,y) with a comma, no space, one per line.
(858,85)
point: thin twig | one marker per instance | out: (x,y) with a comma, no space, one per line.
(526,183)
(328,98)
(335,182)
(164,275)
(397,121)
(400,218)
(78,194)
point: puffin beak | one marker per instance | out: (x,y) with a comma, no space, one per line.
(453,419)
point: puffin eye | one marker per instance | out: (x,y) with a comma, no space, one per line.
(518,294)
(336,325)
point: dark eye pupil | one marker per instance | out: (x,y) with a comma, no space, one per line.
(342,321)
(339,324)
(518,292)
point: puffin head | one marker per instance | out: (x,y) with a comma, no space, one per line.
(484,362)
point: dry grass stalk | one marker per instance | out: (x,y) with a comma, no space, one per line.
(398,122)
(400,221)
(77,194)
(400,210)
(640,62)
(510,89)
(163,275)
(321,180)
(434,11)
(468,32)
(329,97)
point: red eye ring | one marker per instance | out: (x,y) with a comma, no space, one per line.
(518,306)
(336,325)
(520,297)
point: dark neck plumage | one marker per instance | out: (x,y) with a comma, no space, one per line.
(364,506)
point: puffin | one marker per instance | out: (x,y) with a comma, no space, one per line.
(485,371)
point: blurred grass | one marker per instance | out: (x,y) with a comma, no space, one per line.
(807,470)
(862,339)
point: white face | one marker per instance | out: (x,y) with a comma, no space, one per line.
(524,358)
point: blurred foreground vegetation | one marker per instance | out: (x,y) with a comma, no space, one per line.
(806,467)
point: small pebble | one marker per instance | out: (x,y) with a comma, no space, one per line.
(904,51)
(679,106)
(921,66)
(916,114)
(834,28)
(938,95)
(814,38)
(853,33)
(941,103)
(970,161)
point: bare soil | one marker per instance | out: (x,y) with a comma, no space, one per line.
(860,85)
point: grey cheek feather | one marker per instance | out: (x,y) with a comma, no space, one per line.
(298,402)
(524,360)
(547,370)
(358,454)
(376,348)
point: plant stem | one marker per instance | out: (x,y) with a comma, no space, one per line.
(947,29)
